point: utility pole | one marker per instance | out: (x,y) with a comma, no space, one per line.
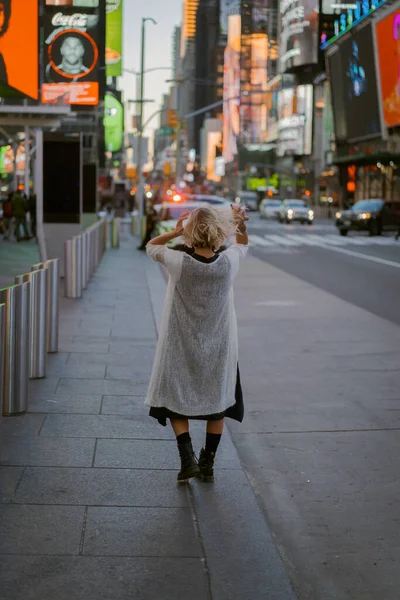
(141,113)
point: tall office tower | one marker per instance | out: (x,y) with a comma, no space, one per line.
(188,67)
(176,51)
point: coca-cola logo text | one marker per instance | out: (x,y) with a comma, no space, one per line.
(75,20)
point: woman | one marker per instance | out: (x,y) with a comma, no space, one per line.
(195,373)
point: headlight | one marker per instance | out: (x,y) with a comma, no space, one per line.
(290,212)
(364,216)
(338,215)
(310,213)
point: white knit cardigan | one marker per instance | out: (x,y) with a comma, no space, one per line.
(195,366)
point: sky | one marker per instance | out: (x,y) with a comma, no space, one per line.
(167,13)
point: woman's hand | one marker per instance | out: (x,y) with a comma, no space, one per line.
(239,214)
(179,226)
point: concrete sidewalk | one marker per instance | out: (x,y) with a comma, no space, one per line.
(90,508)
(16,259)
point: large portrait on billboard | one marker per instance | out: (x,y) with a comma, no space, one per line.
(19,48)
(71,57)
(299,39)
(388,42)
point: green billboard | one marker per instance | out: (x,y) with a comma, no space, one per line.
(114,38)
(113,123)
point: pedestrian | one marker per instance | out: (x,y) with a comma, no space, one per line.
(151,220)
(20,208)
(195,373)
(7,217)
(32,213)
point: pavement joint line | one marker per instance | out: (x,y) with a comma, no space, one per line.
(12,500)
(99,468)
(101,406)
(84,524)
(94,453)
(196,526)
(41,427)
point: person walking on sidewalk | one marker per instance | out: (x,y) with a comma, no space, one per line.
(20,208)
(195,373)
(7,217)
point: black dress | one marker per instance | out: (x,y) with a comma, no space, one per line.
(235,412)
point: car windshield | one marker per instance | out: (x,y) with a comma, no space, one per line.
(368,205)
(172,213)
(274,202)
(210,199)
(296,203)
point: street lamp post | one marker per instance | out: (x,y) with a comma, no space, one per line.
(140,142)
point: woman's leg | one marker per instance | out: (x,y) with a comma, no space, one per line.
(189,466)
(180,426)
(207,455)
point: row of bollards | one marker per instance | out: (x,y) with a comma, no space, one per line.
(28,331)
(82,255)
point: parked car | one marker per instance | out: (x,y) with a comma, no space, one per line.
(250,199)
(269,208)
(295,210)
(374,216)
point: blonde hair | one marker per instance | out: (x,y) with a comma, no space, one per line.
(209,227)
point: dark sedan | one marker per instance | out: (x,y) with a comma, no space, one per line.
(374,216)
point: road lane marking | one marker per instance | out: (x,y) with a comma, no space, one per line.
(301,239)
(381,261)
(278,303)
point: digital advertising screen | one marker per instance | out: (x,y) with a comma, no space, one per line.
(19,48)
(113,122)
(71,56)
(231,90)
(359,83)
(337,94)
(114,38)
(81,3)
(299,33)
(295,112)
(388,42)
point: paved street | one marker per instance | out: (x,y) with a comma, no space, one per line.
(320,355)
(359,269)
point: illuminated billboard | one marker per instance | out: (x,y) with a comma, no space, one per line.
(71,56)
(299,33)
(388,43)
(295,112)
(354,88)
(114,38)
(231,116)
(113,122)
(19,48)
(253,108)
(214,139)
(81,3)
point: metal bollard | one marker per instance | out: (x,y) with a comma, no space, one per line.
(53,293)
(73,267)
(84,259)
(115,232)
(37,321)
(16,348)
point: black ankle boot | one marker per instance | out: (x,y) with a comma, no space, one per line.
(189,466)
(206,464)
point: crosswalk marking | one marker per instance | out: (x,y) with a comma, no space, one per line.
(284,240)
(259,241)
(323,241)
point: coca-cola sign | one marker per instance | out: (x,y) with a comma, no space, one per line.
(75,20)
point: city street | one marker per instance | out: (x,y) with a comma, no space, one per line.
(320,356)
(360,269)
